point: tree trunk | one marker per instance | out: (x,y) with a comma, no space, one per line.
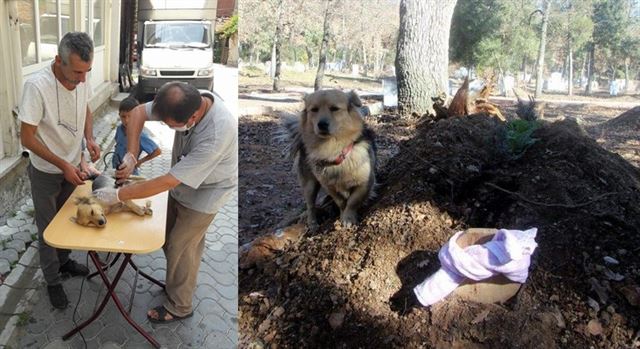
(317,85)
(309,57)
(570,82)
(543,43)
(364,59)
(584,67)
(592,56)
(422,57)
(277,44)
(272,67)
(626,75)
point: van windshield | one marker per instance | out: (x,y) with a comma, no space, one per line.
(177,34)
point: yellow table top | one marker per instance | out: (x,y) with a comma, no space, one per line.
(124,232)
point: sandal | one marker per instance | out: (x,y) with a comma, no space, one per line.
(162,314)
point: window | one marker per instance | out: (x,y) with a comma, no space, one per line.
(27,32)
(42,24)
(48,16)
(98,23)
(95,10)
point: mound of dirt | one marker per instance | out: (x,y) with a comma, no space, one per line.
(628,120)
(620,135)
(348,287)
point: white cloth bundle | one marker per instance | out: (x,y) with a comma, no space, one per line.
(508,253)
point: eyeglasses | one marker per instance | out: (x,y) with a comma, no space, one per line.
(67,125)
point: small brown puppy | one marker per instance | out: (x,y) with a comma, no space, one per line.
(91,212)
(333,149)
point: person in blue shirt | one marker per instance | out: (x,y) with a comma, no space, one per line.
(146,144)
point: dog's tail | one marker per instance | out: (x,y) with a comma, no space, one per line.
(289,134)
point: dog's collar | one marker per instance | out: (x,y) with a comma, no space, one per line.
(339,159)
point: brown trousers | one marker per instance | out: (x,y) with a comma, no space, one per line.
(183,248)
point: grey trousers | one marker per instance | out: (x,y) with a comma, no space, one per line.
(49,193)
(183,247)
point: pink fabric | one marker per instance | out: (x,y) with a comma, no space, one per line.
(508,253)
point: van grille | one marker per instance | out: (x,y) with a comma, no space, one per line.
(177,72)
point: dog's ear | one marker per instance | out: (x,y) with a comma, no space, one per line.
(354,100)
(303,113)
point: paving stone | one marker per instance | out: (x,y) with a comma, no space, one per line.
(17,245)
(167,338)
(38,341)
(15,222)
(9,255)
(30,228)
(24,236)
(23,216)
(114,333)
(217,339)
(8,231)
(5,267)
(57,344)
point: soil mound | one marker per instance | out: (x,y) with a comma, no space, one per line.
(620,135)
(349,287)
(629,120)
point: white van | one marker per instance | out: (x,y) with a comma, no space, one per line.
(175,43)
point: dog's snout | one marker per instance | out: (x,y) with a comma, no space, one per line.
(102,222)
(323,125)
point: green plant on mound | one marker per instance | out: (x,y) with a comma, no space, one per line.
(518,136)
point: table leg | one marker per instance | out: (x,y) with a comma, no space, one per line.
(103,266)
(110,293)
(146,276)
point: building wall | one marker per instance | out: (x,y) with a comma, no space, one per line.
(16,19)
(226,8)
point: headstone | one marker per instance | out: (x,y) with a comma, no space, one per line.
(299,67)
(507,83)
(556,82)
(390,92)
(614,88)
(355,70)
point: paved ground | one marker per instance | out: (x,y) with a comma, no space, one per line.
(214,324)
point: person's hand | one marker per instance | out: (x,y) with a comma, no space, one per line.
(72,174)
(89,169)
(126,167)
(94,150)
(108,196)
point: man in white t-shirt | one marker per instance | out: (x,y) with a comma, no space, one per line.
(203,175)
(55,117)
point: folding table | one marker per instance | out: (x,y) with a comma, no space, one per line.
(125,233)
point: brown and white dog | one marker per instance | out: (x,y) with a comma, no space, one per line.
(91,212)
(332,148)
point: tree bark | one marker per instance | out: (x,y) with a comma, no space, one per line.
(626,75)
(277,44)
(592,55)
(365,63)
(317,85)
(584,67)
(570,82)
(543,43)
(422,57)
(309,57)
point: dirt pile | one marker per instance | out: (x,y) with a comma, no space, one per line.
(347,288)
(620,135)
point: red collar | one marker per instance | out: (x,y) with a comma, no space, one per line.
(340,158)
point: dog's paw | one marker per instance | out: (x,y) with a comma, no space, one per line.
(313,226)
(147,208)
(349,219)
